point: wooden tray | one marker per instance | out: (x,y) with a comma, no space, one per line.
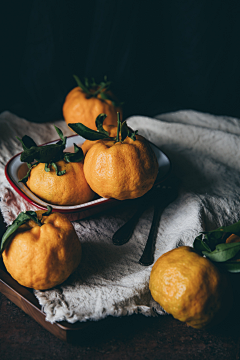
(77,333)
(24,298)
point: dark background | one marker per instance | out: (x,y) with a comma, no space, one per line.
(160,55)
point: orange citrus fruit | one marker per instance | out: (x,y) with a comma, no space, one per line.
(70,188)
(122,170)
(81,106)
(233,238)
(41,257)
(190,287)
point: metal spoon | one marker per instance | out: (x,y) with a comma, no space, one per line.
(124,233)
(165,197)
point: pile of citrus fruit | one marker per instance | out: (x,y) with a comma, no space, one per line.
(41,249)
(114,162)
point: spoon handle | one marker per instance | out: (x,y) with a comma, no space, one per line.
(124,233)
(169,195)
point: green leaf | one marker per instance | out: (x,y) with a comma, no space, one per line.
(43,154)
(93,83)
(104,85)
(223,252)
(47,168)
(132,134)
(77,156)
(86,82)
(118,127)
(124,130)
(48,212)
(28,155)
(233,229)
(77,148)
(200,246)
(99,90)
(214,238)
(58,173)
(99,124)
(30,166)
(80,84)
(92,135)
(25,178)
(33,216)
(27,142)
(60,134)
(87,133)
(219,235)
(48,154)
(21,219)
(106,96)
(231,266)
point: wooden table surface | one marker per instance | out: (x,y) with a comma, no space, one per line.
(133,337)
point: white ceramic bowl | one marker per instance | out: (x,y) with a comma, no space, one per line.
(15,170)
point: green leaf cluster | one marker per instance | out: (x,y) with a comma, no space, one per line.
(92,89)
(21,219)
(122,130)
(212,244)
(48,154)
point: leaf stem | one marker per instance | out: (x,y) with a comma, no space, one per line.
(118,126)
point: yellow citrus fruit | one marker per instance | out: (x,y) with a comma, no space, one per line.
(121,170)
(190,287)
(68,189)
(79,107)
(41,257)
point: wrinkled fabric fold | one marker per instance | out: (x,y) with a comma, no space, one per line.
(203,150)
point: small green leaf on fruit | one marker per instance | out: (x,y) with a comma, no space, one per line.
(87,133)
(80,84)
(223,252)
(99,124)
(27,142)
(58,173)
(25,178)
(231,266)
(21,219)
(124,130)
(48,212)
(60,134)
(46,167)
(77,156)
(200,245)
(132,134)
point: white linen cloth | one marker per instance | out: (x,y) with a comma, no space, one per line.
(204,152)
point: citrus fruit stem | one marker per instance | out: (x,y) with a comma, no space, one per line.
(118,126)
